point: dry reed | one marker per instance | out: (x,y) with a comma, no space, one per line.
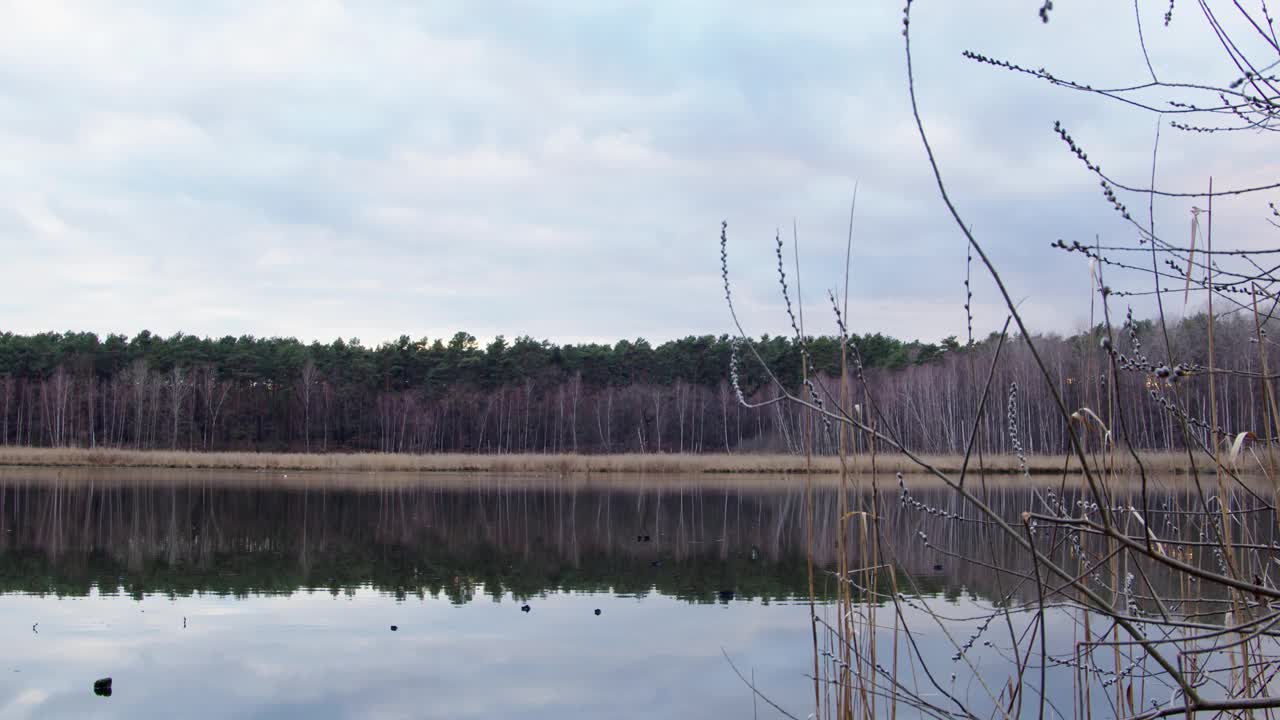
(1161,463)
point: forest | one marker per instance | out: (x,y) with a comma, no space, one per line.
(521,396)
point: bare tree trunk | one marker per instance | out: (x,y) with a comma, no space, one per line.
(604,441)
(308,380)
(577,384)
(31,411)
(405,405)
(657,418)
(6,397)
(528,397)
(680,396)
(91,395)
(724,412)
(138,375)
(178,387)
(326,399)
(214,393)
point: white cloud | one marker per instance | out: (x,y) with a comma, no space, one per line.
(550,170)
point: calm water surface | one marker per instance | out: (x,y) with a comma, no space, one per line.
(216,596)
(204,597)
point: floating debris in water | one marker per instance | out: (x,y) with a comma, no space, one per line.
(395,628)
(656,563)
(937,567)
(597,611)
(102,687)
(33,628)
(524,608)
(726,594)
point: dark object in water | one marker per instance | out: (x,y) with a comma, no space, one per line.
(395,628)
(597,611)
(937,567)
(642,538)
(524,608)
(655,563)
(102,687)
(726,594)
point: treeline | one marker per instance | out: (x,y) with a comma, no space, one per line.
(186,392)
(246,393)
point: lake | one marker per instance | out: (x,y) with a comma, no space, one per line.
(213,594)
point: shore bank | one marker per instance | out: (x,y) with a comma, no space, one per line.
(1163,463)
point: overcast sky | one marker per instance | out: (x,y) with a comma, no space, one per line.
(368,169)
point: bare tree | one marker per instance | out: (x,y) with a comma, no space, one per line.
(213,394)
(306,386)
(6,398)
(179,386)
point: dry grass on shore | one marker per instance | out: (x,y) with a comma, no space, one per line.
(1164,463)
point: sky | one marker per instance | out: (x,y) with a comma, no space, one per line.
(325,169)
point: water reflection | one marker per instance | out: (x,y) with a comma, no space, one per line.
(244,600)
(687,541)
(687,538)
(255,597)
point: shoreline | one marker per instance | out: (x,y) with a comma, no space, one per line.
(564,464)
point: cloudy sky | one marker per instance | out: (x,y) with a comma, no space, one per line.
(368,169)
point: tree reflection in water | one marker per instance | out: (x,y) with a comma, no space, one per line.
(489,535)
